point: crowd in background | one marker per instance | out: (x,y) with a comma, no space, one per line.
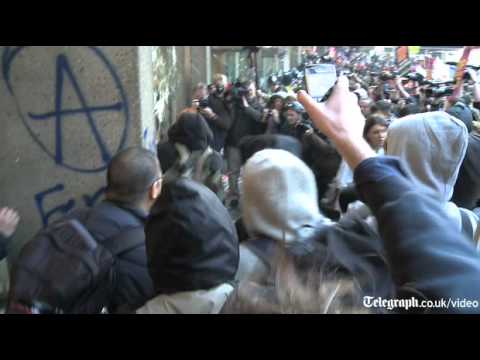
(264,201)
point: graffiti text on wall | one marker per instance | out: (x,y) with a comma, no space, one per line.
(55,115)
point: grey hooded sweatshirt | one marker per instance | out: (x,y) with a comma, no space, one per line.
(279,202)
(432,146)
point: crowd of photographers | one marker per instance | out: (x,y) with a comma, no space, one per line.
(264,201)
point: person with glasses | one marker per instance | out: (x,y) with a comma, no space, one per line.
(134,182)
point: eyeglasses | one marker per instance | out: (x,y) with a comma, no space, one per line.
(154,181)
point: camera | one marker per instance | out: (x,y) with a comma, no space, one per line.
(442,91)
(203,103)
(415,77)
(385,76)
(239,91)
(303,126)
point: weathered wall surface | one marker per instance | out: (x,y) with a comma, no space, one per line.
(66,111)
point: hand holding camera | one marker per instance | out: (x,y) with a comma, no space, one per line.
(207,112)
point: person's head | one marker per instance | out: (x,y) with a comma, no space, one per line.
(383,107)
(409,109)
(276,102)
(463,113)
(134,178)
(432,146)
(220,80)
(295,112)
(279,196)
(365,105)
(252,89)
(191,130)
(200,91)
(375,131)
(191,240)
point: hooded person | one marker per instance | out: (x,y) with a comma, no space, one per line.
(192,251)
(279,204)
(432,146)
(191,131)
(280,210)
(189,151)
(253,144)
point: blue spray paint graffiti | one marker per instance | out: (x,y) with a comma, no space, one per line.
(64,72)
(152,144)
(59,114)
(62,209)
(90,201)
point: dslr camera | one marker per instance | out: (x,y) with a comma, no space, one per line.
(239,90)
(386,75)
(202,104)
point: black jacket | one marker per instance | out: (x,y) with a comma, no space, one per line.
(322,157)
(466,193)
(3,247)
(247,121)
(221,123)
(191,240)
(106,222)
(190,130)
(428,257)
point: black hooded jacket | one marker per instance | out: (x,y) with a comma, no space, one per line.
(191,240)
(190,130)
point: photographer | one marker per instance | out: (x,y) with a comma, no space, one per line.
(318,152)
(214,109)
(273,114)
(247,120)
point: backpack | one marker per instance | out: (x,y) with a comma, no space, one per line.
(66,270)
(204,167)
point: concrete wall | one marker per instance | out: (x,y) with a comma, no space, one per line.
(66,112)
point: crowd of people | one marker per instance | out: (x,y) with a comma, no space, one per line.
(269,202)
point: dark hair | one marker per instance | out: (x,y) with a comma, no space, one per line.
(272,99)
(200,86)
(383,105)
(409,109)
(373,120)
(130,174)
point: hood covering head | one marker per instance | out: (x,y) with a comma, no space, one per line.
(432,146)
(191,241)
(191,130)
(279,196)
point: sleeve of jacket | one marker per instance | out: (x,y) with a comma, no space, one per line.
(223,118)
(3,247)
(254,113)
(318,144)
(133,285)
(424,250)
